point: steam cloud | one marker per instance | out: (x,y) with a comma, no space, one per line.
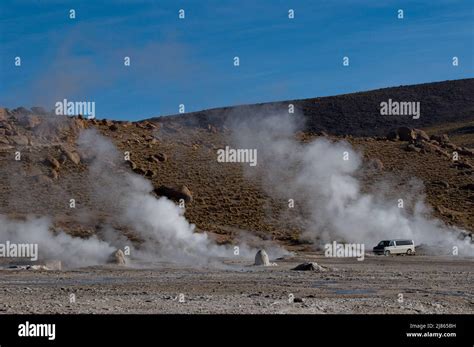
(326,189)
(160,224)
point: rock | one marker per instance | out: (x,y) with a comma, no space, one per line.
(132,164)
(29,121)
(79,124)
(450,145)
(465,151)
(72,156)
(309,267)
(106,122)
(4,114)
(150,173)
(429,146)
(39,110)
(43,180)
(21,140)
(149,125)
(421,135)
(5,148)
(113,127)
(464,165)
(187,193)
(118,257)
(175,194)
(469,186)
(440,151)
(411,148)
(376,164)
(159,157)
(443,184)
(406,134)
(392,135)
(212,129)
(139,171)
(440,138)
(261,259)
(53,163)
(20,111)
(53,264)
(54,174)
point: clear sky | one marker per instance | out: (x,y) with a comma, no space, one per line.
(190,61)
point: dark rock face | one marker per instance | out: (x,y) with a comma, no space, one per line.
(357,114)
(174,193)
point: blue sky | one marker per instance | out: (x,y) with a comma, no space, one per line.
(190,61)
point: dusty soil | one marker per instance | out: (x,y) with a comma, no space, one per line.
(429,284)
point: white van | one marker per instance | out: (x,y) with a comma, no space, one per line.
(388,247)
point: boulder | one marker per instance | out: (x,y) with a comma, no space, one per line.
(159,157)
(43,180)
(139,171)
(4,114)
(463,165)
(29,121)
(392,135)
(175,194)
(20,111)
(21,140)
(465,151)
(406,134)
(150,173)
(309,267)
(469,186)
(106,122)
(39,110)
(187,193)
(118,257)
(261,259)
(412,148)
(376,164)
(54,174)
(421,135)
(440,138)
(443,184)
(52,163)
(132,164)
(113,127)
(72,155)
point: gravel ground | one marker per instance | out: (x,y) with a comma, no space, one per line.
(379,284)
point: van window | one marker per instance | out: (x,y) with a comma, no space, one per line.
(404,243)
(392,243)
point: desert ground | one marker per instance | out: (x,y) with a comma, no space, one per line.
(176,155)
(428,284)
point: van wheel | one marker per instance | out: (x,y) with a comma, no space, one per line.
(386,252)
(409,252)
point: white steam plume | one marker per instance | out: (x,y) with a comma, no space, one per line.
(72,251)
(159,223)
(326,188)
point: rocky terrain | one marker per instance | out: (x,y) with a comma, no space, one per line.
(43,168)
(178,155)
(427,285)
